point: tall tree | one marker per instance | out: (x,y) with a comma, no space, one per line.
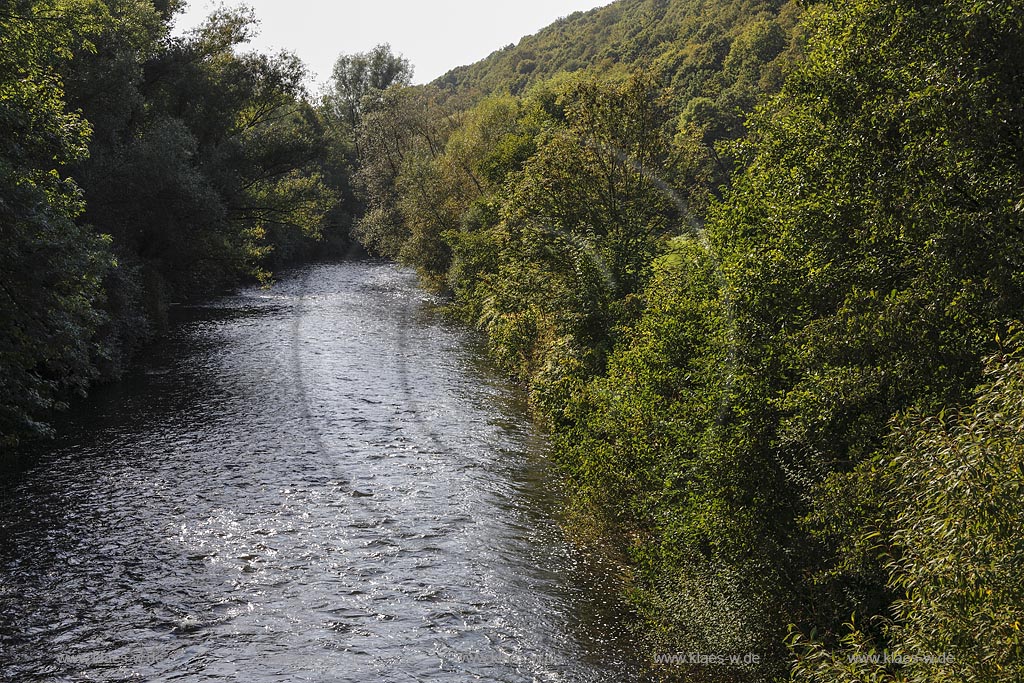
(50,268)
(363,74)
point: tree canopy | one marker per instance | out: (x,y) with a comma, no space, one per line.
(735,257)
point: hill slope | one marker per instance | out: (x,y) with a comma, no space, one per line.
(688,44)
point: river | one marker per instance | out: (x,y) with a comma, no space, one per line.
(323,481)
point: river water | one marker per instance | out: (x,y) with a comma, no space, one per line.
(322,481)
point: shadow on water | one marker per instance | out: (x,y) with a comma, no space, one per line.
(323,481)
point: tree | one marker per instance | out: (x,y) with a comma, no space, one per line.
(50,268)
(877,253)
(363,74)
(216,163)
(399,139)
(953,548)
(580,224)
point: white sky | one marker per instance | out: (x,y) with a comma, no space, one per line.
(435,35)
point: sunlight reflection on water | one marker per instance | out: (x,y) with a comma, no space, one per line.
(320,482)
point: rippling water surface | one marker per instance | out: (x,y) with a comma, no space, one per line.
(319,482)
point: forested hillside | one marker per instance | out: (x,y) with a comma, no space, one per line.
(753,263)
(138,170)
(715,57)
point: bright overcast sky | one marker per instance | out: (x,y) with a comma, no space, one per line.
(435,35)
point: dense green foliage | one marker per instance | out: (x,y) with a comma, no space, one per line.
(723,324)
(139,170)
(956,502)
(50,267)
(361,75)
(715,57)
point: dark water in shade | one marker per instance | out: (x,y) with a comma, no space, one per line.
(320,482)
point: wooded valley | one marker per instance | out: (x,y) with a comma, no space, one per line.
(759,263)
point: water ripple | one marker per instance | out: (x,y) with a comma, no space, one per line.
(318,483)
